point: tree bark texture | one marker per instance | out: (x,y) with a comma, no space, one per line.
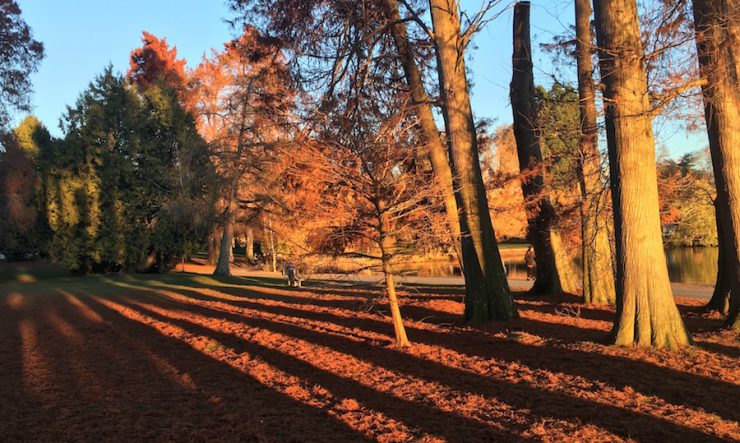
(487,295)
(223,266)
(428,127)
(646,312)
(249,247)
(720,300)
(212,249)
(564,263)
(717,26)
(390,285)
(273,248)
(596,263)
(539,210)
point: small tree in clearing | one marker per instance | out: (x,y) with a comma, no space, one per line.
(372,201)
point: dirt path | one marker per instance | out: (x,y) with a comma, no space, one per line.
(187,357)
(700,292)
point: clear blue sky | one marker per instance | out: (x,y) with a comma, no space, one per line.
(82,36)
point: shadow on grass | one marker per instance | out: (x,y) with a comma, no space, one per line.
(29,271)
(417,414)
(720,349)
(130,344)
(671,385)
(541,403)
(116,385)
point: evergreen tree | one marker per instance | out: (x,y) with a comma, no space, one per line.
(20,54)
(128,183)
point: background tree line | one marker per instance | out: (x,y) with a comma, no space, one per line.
(130,186)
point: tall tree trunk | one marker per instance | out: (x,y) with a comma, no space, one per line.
(273,248)
(487,295)
(646,313)
(720,300)
(717,25)
(212,249)
(564,263)
(596,262)
(223,266)
(249,247)
(539,210)
(225,256)
(390,286)
(428,128)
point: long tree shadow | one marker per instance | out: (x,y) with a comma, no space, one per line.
(63,379)
(584,311)
(368,304)
(449,425)
(695,319)
(339,299)
(671,385)
(418,313)
(91,410)
(16,397)
(540,402)
(111,385)
(718,348)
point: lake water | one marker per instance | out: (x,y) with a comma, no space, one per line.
(685,265)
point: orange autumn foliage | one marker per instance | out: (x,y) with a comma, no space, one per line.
(155,61)
(506,201)
(242,102)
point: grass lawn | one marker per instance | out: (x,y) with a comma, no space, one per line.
(193,357)
(26,272)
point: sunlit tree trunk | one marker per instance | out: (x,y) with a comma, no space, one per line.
(564,263)
(540,213)
(212,250)
(598,272)
(428,127)
(717,25)
(646,313)
(720,300)
(390,285)
(249,247)
(487,295)
(223,266)
(273,247)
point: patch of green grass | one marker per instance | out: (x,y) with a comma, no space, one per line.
(512,245)
(29,272)
(18,279)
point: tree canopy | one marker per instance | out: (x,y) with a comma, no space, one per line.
(20,54)
(131,179)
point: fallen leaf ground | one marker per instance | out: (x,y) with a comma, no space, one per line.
(189,357)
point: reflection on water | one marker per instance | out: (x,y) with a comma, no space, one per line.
(443,268)
(685,265)
(692,265)
(429,268)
